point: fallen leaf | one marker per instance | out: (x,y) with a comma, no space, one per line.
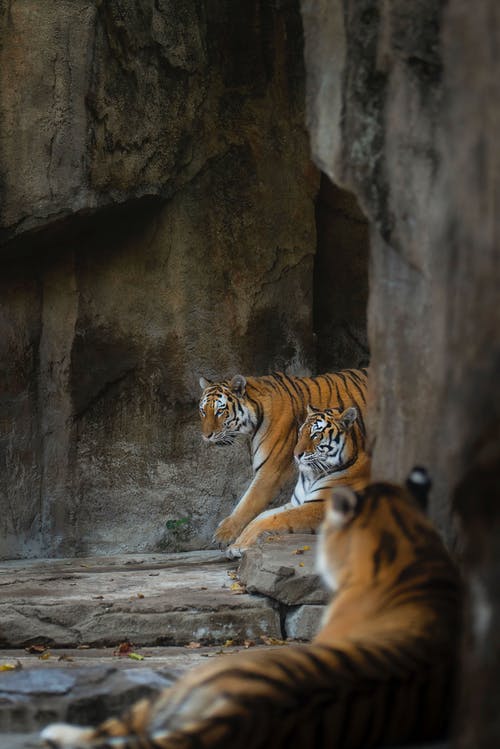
(301,564)
(11,666)
(232,574)
(65,658)
(302,550)
(228,643)
(140,595)
(249,644)
(36,648)
(124,648)
(193,645)
(83,647)
(45,656)
(272,640)
(237,588)
(135,656)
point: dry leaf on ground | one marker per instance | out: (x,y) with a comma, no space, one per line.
(17,666)
(237,588)
(193,645)
(124,648)
(302,550)
(272,640)
(36,648)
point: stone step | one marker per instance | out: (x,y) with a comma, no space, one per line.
(149,599)
(86,686)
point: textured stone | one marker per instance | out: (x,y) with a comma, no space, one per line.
(157,223)
(31,699)
(395,119)
(164,599)
(275,569)
(403,110)
(303,622)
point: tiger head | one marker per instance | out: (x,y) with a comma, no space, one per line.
(323,444)
(368,535)
(224,410)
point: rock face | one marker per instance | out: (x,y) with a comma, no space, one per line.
(164,599)
(401,116)
(404,111)
(157,219)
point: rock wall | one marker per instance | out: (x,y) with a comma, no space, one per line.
(157,223)
(403,110)
(392,118)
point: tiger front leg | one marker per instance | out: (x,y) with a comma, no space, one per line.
(258,496)
(286,519)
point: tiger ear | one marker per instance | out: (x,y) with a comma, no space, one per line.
(238,384)
(348,418)
(204,383)
(419,485)
(341,507)
(310,410)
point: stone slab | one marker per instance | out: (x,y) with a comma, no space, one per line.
(160,599)
(283,568)
(303,622)
(86,686)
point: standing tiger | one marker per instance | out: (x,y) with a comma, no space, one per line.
(269,410)
(380,671)
(330,452)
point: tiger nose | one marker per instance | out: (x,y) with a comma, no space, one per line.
(208,436)
(298,456)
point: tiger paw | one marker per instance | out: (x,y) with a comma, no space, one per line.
(226,532)
(234,551)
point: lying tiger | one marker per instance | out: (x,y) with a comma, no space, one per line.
(380,671)
(330,452)
(270,410)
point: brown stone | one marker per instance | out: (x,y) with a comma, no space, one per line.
(157,223)
(283,568)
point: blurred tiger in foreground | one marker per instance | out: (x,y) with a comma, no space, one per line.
(380,671)
(330,452)
(270,410)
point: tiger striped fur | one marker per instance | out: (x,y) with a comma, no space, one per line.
(330,452)
(269,410)
(380,671)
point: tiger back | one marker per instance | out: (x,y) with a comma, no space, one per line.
(269,410)
(380,671)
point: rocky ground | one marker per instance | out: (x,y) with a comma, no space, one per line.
(84,638)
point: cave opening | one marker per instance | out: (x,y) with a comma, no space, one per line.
(340,279)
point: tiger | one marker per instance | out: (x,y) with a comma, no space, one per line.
(380,671)
(330,452)
(269,410)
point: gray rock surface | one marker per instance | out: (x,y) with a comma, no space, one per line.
(283,568)
(401,111)
(149,600)
(85,686)
(157,223)
(303,622)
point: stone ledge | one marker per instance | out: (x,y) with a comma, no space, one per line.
(156,599)
(283,568)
